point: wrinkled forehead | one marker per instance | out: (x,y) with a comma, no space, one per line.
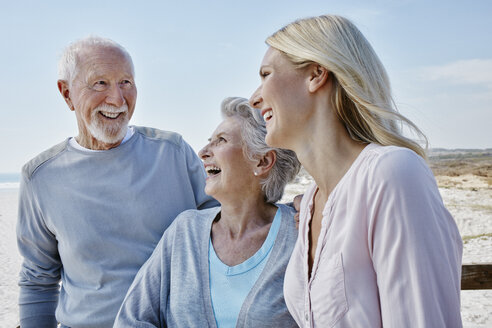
(100,60)
(230,126)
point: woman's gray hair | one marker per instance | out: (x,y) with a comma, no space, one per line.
(253,132)
(69,60)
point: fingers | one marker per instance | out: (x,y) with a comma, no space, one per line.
(297,202)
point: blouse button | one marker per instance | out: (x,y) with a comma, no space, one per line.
(307,317)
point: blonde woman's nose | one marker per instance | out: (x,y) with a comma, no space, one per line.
(256,100)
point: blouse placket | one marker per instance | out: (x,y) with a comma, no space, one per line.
(325,224)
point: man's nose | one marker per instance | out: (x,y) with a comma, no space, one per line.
(115,96)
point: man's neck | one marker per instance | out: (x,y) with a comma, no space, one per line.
(96,145)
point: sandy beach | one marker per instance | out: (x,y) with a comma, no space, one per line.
(9,257)
(465,183)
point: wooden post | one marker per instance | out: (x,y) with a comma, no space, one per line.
(476,276)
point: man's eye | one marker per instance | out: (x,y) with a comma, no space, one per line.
(126,83)
(99,85)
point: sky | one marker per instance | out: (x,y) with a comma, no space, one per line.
(190,55)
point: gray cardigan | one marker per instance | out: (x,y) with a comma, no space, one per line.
(172,288)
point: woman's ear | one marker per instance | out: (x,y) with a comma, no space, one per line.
(265,163)
(319,77)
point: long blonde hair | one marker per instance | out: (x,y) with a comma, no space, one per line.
(362,93)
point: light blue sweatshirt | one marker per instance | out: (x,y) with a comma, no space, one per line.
(90,220)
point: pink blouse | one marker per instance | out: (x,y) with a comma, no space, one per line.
(388,254)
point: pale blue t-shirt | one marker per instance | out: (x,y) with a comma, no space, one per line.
(229,286)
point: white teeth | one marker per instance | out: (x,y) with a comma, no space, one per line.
(268,115)
(212,170)
(110,114)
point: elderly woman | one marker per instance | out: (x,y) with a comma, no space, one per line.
(224,267)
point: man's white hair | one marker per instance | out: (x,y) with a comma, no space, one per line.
(68,63)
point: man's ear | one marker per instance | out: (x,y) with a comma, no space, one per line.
(266,163)
(65,92)
(318,78)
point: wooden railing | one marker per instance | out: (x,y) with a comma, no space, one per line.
(476,276)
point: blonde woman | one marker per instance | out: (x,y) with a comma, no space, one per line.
(376,245)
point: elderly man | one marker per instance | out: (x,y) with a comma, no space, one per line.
(93,207)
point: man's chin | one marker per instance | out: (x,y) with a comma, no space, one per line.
(109,136)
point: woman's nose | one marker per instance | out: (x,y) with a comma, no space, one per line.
(203,153)
(256,100)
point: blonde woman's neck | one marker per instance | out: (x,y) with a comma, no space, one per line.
(326,150)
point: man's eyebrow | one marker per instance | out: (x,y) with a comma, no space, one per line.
(90,76)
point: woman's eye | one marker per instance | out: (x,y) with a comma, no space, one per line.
(264,74)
